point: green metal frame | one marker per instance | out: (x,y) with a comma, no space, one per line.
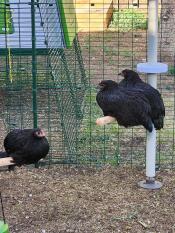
(34,67)
(23,51)
(57,73)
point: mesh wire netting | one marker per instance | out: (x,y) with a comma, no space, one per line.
(104,44)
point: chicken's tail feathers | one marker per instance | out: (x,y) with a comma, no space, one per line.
(159,122)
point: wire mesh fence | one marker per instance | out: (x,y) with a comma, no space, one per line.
(108,36)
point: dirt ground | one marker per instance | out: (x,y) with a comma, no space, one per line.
(59,200)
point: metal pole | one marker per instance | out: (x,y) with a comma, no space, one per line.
(150,182)
(152,80)
(34,66)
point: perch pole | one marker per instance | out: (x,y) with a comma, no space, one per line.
(152,67)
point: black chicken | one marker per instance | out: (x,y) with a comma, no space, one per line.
(129,108)
(25,146)
(133,81)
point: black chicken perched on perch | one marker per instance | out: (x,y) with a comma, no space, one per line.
(133,81)
(129,108)
(25,146)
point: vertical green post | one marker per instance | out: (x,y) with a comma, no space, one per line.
(34,70)
(34,67)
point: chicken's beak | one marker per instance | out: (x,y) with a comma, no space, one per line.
(41,134)
(120,73)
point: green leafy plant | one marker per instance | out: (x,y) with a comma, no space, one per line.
(171,70)
(128,19)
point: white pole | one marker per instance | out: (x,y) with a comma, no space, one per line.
(150,155)
(152,80)
(152,67)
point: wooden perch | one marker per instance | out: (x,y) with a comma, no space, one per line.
(6,161)
(105,120)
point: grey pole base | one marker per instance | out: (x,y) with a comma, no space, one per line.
(150,183)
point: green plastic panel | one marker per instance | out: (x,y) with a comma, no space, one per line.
(4,227)
(68,20)
(5,18)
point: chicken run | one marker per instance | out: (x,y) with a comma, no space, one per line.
(98,150)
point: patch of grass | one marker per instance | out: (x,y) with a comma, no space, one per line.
(114,145)
(171,70)
(97,145)
(110,51)
(126,53)
(128,19)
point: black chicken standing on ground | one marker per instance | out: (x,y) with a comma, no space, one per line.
(129,108)
(25,146)
(133,82)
